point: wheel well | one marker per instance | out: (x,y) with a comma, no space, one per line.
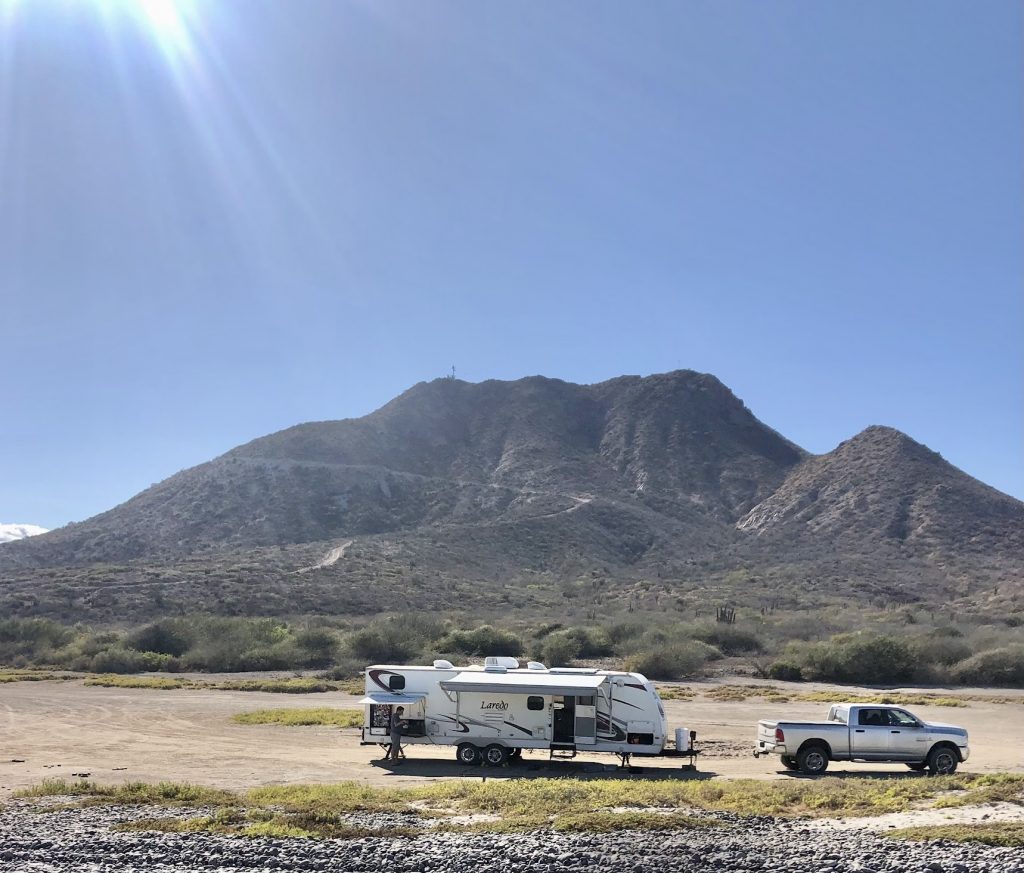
(946,744)
(808,743)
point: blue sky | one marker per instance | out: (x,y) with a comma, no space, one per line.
(218,219)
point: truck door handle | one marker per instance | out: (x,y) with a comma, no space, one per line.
(859,730)
(894,732)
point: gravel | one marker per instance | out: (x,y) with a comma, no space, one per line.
(81,840)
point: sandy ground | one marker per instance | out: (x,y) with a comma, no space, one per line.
(61,729)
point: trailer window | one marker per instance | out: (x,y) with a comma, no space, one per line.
(534,703)
(396,683)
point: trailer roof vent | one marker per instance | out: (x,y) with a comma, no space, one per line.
(535,665)
(443,665)
(495,668)
(501,661)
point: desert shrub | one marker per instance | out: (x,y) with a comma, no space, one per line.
(728,639)
(483,640)
(562,646)
(377,645)
(678,660)
(32,639)
(171,637)
(858,658)
(559,648)
(121,660)
(996,667)
(625,635)
(234,644)
(940,648)
(315,647)
(785,671)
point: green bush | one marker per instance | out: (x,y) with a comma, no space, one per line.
(483,640)
(559,648)
(859,658)
(679,660)
(784,671)
(171,637)
(120,660)
(1003,667)
(729,639)
(939,648)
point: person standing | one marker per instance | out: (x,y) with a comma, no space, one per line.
(397,725)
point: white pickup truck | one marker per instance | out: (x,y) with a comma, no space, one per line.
(868,732)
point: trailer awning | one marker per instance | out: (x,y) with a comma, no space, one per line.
(533,682)
(397,697)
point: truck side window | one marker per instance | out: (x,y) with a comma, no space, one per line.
(901,719)
(872,717)
(534,703)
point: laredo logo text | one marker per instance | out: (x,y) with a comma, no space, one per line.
(501,704)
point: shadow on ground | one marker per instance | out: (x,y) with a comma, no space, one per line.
(536,768)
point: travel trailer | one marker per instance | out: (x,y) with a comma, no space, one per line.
(491,713)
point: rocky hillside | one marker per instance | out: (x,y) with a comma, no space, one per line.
(454,491)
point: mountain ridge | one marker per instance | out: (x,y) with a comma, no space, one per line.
(631,477)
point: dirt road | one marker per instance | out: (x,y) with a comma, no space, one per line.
(59,729)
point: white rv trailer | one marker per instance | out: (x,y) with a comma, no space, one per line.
(492,712)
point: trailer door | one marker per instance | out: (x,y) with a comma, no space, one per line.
(586,719)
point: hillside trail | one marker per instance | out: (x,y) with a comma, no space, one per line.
(328,560)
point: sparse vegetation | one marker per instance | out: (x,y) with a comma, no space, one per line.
(525,804)
(1009,834)
(346,718)
(661,648)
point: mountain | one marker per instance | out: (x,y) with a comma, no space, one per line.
(521,494)
(10,532)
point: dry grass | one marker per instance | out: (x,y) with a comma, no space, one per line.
(292,685)
(531,804)
(345,718)
(1009,834)
(31,676)
(898,699)
(675,692)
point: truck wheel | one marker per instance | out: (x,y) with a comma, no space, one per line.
(467,754)
(918,766)
(812,760)
(495,755)
(942,761)
(789,762)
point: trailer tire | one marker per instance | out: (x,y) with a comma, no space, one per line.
(495,755)
(789,762)
(467,754)
(942,761)
(812,760)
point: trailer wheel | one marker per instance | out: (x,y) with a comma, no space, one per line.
(942,761)
(812,760)
(789,762)
(495,755)
(468,754)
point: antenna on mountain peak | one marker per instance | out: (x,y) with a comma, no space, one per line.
(452,375)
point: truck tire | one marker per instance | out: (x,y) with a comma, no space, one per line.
(495,755)
(942,761)
(812,760)
(467,754)
(789,762)
(918,766)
